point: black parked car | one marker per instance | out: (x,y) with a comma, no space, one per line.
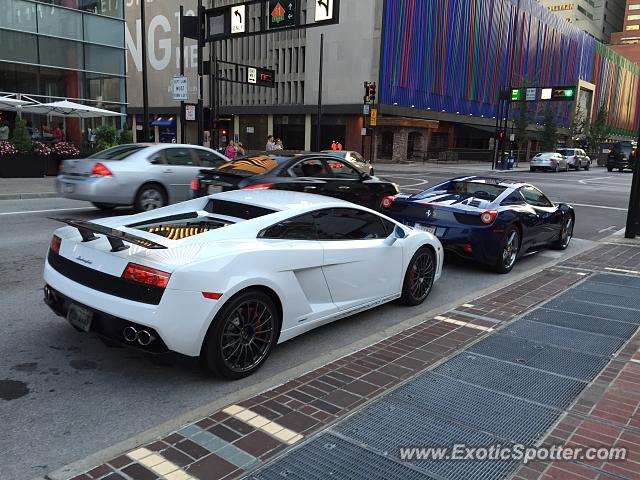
(622,155)
(301,172)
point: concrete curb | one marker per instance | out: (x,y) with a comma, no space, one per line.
(27,196)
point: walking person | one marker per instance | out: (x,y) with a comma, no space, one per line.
(231,151)
(270,144)
(239,149)
(279,145)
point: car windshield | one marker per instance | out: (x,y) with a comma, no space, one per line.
(479,189)
(253,164)
(118,153)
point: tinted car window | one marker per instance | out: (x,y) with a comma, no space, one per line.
(481,189)
(388,226)
(179,156)
(569,152)
(208,159)
(297,228)
(342,170)
(624,148)
(535,197)
(357,157)
(348,224)
(157,158)
(118,153)
(309,168)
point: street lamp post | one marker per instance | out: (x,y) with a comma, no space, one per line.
(145,86)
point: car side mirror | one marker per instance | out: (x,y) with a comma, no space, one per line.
(397,234)
(364,176)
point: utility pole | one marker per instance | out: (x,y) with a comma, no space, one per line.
(145,86)
(200,107)
(183,129)
(319,115)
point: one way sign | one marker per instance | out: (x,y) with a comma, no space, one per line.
(324,10)
(238,19)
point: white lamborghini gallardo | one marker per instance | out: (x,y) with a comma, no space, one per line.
(226,277)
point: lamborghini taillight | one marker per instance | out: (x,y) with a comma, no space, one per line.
(146,275)
(55,244)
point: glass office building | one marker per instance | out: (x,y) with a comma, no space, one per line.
(64,49)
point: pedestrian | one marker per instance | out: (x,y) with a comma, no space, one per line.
(339,146)
(58,136)
(279,145)
(4,131)
(270,144)
(230,152)
(334,145)
(239,149)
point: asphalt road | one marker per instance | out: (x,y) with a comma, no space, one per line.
(65,395)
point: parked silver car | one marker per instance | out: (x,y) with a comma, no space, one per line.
(354,158)
(147,176)
(551,161)
(576,158)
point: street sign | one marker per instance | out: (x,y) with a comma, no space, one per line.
(238,19)
(373,121)
(252,75)
(190,112)
(282,13)
(363,131)
(365,109)
(516,94)
(180,88)
(563,93)
(531,94)
(262,77)
(324,10)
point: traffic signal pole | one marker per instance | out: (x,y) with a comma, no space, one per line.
(631,229)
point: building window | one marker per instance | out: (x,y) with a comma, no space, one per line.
(104,30)
(18,47)
(19,15)
(59,22)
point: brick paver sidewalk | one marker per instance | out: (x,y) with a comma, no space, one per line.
(242,437)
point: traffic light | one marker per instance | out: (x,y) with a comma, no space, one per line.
(224,132)
(372,92)
(500,135)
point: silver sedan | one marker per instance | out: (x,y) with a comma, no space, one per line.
(147,176)
(551,161)
(354,158)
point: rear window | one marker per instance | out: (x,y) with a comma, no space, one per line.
(483,190)
(118,153)
(566,151)
(622,148)
(253,164)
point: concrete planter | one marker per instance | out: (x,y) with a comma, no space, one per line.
(22,165)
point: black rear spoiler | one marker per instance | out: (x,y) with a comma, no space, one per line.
(116,237)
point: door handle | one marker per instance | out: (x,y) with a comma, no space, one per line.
(167,170)
(344,187)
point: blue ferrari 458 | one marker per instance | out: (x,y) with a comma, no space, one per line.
(492,221)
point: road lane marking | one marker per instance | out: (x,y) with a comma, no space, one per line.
(261,423)
(51,210)
(592,179)
(421,182)
(596,206)
(612,227)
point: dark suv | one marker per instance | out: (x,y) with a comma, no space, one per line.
(621,156)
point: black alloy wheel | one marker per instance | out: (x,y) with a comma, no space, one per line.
(508,253)
(418,280)
(242,335)
(566,234)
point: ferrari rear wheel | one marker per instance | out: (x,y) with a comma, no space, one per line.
(418,280)
(242,335)
(508,253)
(566,233)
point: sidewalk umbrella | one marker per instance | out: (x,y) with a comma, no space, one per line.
(66,108)
(12,104)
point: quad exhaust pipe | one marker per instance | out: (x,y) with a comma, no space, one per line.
(143,337)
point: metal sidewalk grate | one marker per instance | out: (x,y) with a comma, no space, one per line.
(604,299)
(328,456)
(609,289)
(616,279)
(530,384)
(563,337)
(583,322)
(591,309)
(390,424)
(578,365)
(511,418)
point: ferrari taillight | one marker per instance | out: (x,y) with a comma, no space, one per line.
(146,275)
(488,217)
(55,244)
(387,201)
(100,170)
(260,186)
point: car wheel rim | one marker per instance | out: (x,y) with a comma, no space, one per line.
(510,251)
(247,336)
(567,232)
(151,199)
(421,276)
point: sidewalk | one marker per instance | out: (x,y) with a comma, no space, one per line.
(24,188)
(550,359)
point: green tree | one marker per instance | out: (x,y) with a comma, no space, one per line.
(521,124)
(550,131)
(579,125)
(106,137)
(599,130)
(125,135)
(21,136)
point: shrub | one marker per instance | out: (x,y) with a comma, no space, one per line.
(42,149)
(65,150)
(7,148)
(106,137)
(126,136)
(21,137)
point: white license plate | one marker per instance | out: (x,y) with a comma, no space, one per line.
(214,189)
(79,317)
(425,228)
(69,187)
